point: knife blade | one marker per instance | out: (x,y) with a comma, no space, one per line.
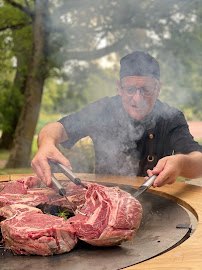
(71,176)
(147,184)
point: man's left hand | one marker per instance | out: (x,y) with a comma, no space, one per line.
(168,169)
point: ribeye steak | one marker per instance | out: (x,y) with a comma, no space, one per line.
(30,231)
(111,216)
(28,191)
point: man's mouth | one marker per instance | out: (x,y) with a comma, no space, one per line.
(136,107)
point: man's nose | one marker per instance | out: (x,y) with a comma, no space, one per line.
(137,96)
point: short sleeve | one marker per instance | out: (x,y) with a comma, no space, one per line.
(180,137)
(84,122)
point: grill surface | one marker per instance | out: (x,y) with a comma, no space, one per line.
(158,232)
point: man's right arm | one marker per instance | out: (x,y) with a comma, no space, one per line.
(49,137)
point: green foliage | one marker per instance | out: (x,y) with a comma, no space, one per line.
(82,31)
(4,154)
(63,213)
(199,141)
(101,83)
(86,84)
(81,156)
(180,56)
(10,102)
(85,25)
(45,118)
(15,44)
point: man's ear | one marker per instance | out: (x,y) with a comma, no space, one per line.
(119,88)
(158,89)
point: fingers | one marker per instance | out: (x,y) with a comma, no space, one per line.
(162,182)
(42,170)
(149,175)
(46,172)
(166,176)
(41,166)
(159,166)
(159,170)
(166,171)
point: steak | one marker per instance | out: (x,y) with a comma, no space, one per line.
(28,199)
(107,217)
(28,191)
(16,191)
(30,181)
(76,196)
(10,211)
(111,216)
(12,187)
(32,232)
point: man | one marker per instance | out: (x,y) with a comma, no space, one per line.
(133,133)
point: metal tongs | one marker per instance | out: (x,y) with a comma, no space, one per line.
(62,190)
(71,176)
(147,184)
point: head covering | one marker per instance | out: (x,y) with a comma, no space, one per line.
(139,64)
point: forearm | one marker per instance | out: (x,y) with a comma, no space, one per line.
(191,165)
(52,133)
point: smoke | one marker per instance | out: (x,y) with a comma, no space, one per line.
(89,26)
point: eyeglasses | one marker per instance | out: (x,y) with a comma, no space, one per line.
(145,91)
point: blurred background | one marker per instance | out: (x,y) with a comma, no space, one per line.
(56,56)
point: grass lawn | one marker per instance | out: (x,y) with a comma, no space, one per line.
(16,171)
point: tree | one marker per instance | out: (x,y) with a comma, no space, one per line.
(15,27)
(37,73)
(83,30)
(181,65)
(85,85)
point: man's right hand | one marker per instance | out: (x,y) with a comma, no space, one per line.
(47,152)
(49,136)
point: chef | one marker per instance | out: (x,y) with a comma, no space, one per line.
(133,133)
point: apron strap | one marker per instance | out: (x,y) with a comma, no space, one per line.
(149,161)
(150,156)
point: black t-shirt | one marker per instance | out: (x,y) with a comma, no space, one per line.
(120,142)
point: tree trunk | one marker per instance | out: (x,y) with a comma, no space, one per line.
(37,72)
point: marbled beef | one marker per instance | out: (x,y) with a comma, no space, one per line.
(29,231)
(111,216)
(27,191)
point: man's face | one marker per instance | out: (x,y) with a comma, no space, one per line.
(137,105)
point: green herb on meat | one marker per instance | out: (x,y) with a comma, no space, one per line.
(23,195)
(1,188)
(15,196)
(63,214)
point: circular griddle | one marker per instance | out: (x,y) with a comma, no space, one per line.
(164,225)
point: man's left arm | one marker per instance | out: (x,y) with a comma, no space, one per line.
(170,168)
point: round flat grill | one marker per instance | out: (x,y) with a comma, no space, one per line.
(164,225)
